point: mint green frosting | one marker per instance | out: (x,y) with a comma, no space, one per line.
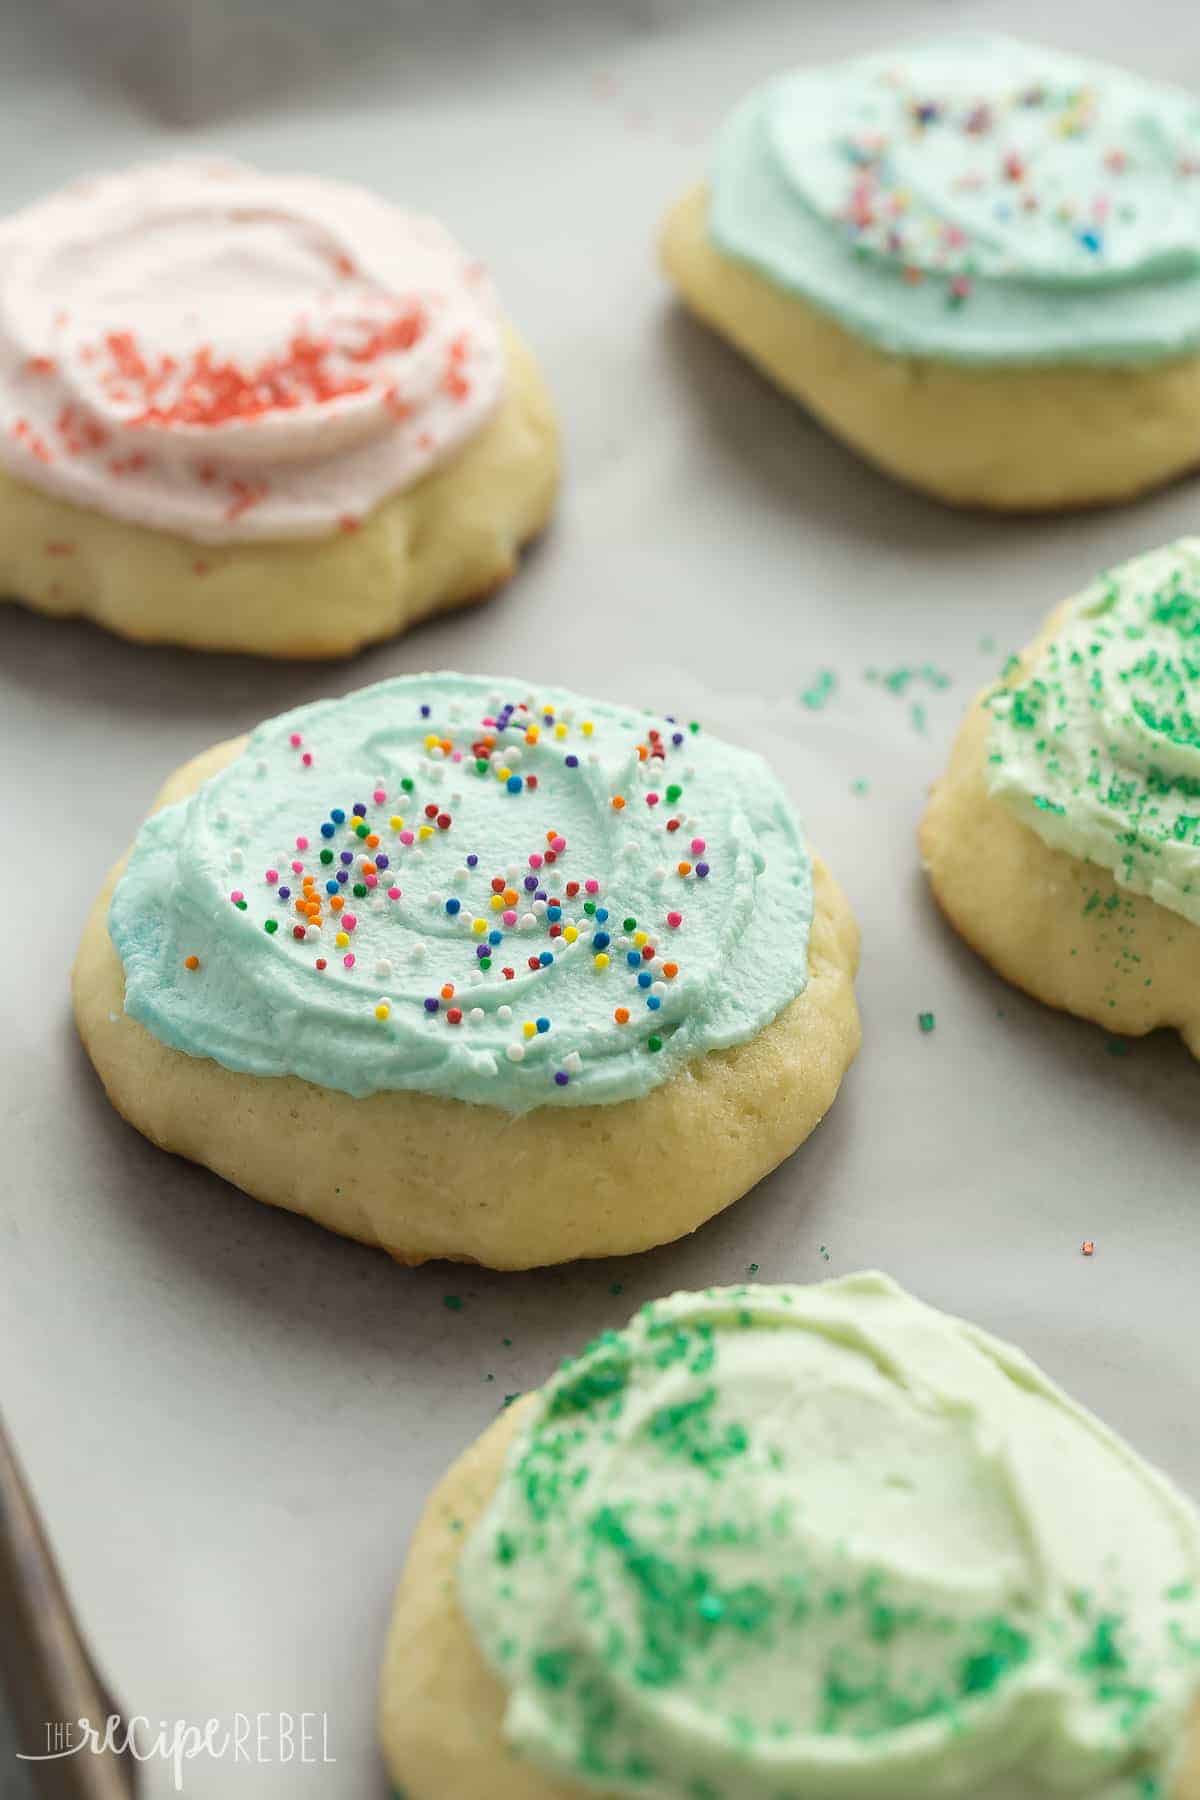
(656,879)
(1096,745)
(974,199)
(825,1543)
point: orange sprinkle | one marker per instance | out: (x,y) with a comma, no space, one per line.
(336,903)
(621,1015)
(191,962)
(684,868)
(60,547)
(201,568)
(372,842)
(670,970)
(618,802)
(367,866)
(448,991)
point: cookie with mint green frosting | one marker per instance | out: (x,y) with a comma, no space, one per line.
(798,1543)
(534,924)
(1064,840)
(975,208)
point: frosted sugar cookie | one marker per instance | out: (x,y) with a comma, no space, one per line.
(256,412)
(976,260)
(798,1543)
(468,972)
(1063,841)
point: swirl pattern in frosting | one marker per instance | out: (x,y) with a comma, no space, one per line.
(204,349)
(1096,745)
(785,1543)
(437,885)
(974,199)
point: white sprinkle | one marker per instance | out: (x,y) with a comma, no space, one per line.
(236,859)
(433,900)
(475,976)
(504,1014)
(418,952)
(658,875)
(572,1062)
(476,1015)
(383,968)
(512,756)
(539,907)
(313,933)
(460,875)
(527,922)
(515,1053)
(513,871)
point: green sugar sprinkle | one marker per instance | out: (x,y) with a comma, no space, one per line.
(820,690)
(861,786)
(452,1302)
(927,1021)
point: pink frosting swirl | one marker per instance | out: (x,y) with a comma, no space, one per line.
(231,355)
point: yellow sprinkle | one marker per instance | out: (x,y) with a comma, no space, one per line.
(342,939)
(560,731)
(383,1010)
(532,735)
(601,959)
(529,1029)
(640,938)
(570,933)
(426,831)
(497,902)
(479,926)
(432,741)
(396,822)
(503,774)
(587,728)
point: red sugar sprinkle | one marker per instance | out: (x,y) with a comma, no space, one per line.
(60,548)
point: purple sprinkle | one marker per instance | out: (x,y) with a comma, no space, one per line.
(702,870)
(541,894)
(424,712)
(285,893)
(561,1077)
(472,860)
(381,861)
(572,762)
(359,810)
(483,950)
(531,884)
(431,1005)
(343,875)
(347,856)
(677,738)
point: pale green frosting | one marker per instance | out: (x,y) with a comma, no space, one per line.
(974,199)
(825,1543)
(617,835)
(1096,746)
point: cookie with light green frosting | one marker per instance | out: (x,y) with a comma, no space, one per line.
(786,1543)
(537,927)
(967,209)
(1064,841)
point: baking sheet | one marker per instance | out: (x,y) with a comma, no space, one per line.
(230,1417)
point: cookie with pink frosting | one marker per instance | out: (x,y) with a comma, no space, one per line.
(257,412)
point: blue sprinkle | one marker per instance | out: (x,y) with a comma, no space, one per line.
(495,937)
(634,958)
(1091,240)
(543,1024)
(554,914)
(331,887)
(545,959)
(513,784)
(327,830)
(601,914)
(645,978)
(453,905)
(654,1001)
(601,940)
(338,816)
